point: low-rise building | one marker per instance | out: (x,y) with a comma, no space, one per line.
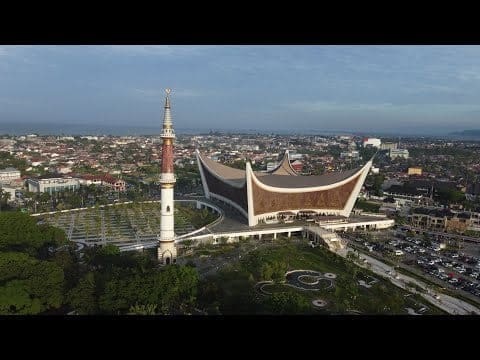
(9,174)
(52,185)
(297,165)
(272,166)
(105,180)
(396,153)
(372,141)
(388,146)
(350,154)
(414,171)
(444,219)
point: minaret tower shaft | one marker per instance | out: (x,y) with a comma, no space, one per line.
(167,252)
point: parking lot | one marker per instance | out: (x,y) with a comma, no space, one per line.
(457,269)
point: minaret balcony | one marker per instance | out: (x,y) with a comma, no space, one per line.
(167,178)
(168,133)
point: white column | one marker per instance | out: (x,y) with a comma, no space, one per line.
(252,219)
(166,213)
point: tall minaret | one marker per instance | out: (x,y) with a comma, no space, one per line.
(167,252)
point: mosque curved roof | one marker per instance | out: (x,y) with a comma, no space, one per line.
(281,177)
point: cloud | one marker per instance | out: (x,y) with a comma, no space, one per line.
(432,89)
(327,106)
(189,93)
(469,75)
(322,106)
(156,50)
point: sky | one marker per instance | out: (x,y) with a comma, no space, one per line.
(391,89)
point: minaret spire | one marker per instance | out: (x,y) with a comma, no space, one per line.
(167,118)
(167,252)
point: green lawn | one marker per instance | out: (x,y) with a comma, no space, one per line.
(235,285)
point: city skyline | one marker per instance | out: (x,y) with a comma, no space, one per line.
(403,89)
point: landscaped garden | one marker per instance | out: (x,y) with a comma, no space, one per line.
(237,289)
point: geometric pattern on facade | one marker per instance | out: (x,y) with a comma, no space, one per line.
(334,199)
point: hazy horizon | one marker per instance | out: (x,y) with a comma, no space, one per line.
(45,129)
(411,90)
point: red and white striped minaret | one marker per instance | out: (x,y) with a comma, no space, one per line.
(167,252)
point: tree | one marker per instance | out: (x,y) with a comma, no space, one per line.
(209,292)
(286,303)
(400,220)
(20,231)
(68,261)
(4,198)
(15,299)
(426,240)
(183,294)
(109,250)
(148,309)
(279,268)
(266,272)
(377,184)
(238,164)
(319,169)
(46,281)
(83,297)
(223,240)
(173,289)
(448,196)
(42,280)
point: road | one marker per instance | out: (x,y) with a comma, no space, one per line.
(447,303)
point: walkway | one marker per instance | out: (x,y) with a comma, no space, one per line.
(321,282)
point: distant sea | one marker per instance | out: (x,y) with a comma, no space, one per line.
(127,130)
(82,129)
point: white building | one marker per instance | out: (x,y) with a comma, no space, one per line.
(396,153)
(350,154)
(52,185)
(372,141)
(9,174)
(388,146)
(295,156)
(272,166)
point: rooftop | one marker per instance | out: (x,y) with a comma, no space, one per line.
(8,169)
(281,177)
